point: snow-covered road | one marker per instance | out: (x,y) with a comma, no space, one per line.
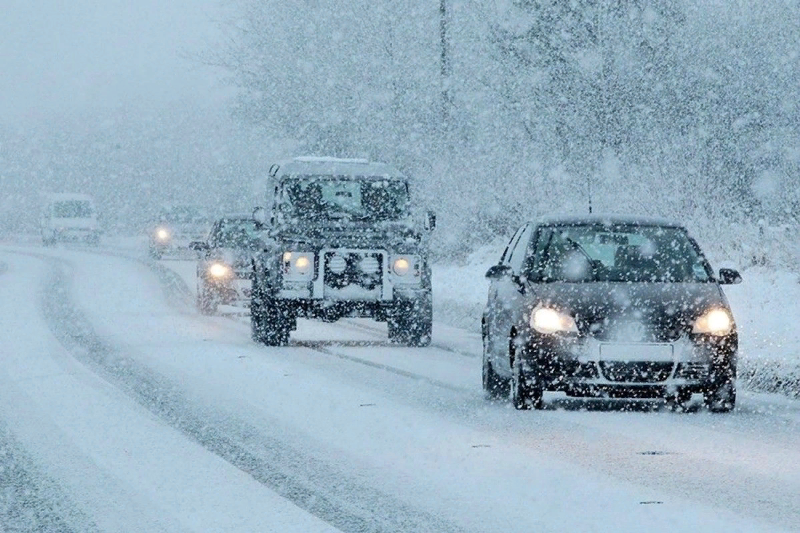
(122,409)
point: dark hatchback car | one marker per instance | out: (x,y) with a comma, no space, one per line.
(608,307)
(225,264)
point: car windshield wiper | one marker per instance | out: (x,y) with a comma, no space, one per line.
(592,264)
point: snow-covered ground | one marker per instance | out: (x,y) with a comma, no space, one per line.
(122,408)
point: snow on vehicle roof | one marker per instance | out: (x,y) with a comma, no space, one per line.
(324,159)
(607,220)
(312,165)
(68,196)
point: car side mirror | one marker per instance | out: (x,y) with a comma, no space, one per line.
(199,246)
(260,216)
(498,272)
(729,276)
(430,221)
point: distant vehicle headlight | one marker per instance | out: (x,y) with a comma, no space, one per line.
(549,321)
(298,266)
(714,322)
(162,234)
(218,270)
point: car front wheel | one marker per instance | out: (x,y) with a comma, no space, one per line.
(494,386)
(526,390)
(721,398)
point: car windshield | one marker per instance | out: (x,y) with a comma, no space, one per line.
(73,209)
(618,253)
(184,215)
(236,233)
(359,198)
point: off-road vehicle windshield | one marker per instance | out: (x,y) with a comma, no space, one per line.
(618,253)
(72,209)
(321,198)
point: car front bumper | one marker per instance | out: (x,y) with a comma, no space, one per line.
(586,366)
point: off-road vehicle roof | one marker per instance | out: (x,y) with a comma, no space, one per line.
(316,166)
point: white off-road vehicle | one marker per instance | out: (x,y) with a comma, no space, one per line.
(340,240)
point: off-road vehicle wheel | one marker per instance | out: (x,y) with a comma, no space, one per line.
(268,324)
(412,325)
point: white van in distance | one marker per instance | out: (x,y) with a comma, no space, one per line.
(69,217)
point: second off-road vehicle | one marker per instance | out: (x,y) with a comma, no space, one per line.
(340,240)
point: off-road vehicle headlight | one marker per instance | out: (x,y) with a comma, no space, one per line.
(298,266)
(714,322)
(406,268)
(162,234)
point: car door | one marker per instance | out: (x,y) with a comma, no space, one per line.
(491,310)
(507,298)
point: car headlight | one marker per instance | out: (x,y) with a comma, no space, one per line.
(162,234)
(298,266)
(218,270)
(548,321)
(714,322)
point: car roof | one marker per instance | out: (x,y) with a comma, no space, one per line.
(236,216)
(606,220)
(311,165)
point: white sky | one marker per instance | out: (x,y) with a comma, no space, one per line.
(70,55)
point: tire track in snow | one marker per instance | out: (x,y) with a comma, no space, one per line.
(29,500)
(319,489)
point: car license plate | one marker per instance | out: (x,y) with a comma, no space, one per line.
(636,351)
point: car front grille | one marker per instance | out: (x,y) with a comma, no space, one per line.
(363,269)
(636,372)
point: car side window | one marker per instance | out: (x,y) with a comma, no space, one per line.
(535,260)
(520,251)
(510,246)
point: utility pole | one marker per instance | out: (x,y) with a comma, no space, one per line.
(445,64)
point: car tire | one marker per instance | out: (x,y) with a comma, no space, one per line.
(268,323)
(679,400)
(494,386)
(206,302)
(526,391)
(721,397)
